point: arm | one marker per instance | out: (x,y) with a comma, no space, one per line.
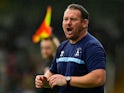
(93,79)
(48,74)
(95,61)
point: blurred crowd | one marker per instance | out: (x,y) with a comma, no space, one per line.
(18,69)
(21,63)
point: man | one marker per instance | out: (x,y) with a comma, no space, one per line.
(79,64)
(48,49)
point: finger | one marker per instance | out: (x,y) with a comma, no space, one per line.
(51,78)
(44,79)
(52,81)
(38,86)
(40,77)
(53,84)
(39,83)
(37,80)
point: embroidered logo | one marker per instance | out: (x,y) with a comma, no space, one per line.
(78,52)
(62,54)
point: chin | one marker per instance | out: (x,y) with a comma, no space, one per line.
(69,37)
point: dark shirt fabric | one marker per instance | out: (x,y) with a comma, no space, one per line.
(78,60)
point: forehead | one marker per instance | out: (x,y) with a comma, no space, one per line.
(46,43)
(72,12)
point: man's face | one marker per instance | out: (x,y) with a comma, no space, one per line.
(47,49)
(72,23)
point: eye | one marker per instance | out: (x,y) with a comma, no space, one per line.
(73,19)
(65,19)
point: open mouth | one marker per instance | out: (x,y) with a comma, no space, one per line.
(69,29)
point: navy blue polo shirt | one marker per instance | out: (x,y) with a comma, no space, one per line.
(78,60)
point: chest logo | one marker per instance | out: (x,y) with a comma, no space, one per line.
(62,54)
(78,52)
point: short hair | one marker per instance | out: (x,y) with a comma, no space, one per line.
(84,12)
(54,40)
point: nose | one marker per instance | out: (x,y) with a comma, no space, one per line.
(68,22)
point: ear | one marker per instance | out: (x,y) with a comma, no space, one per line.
(85,23)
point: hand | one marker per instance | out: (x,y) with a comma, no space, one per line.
(41,81)
(57,80)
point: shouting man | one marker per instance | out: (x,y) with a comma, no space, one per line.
(79,64)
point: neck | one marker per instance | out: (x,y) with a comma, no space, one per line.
(82,34)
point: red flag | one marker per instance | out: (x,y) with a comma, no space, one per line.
(44,30)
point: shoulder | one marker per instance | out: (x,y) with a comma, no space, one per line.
(92,42)
(93,45)
(94,49)
(63,44)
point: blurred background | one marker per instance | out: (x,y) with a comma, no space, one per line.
(20,58)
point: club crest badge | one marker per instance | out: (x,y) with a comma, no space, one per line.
(78,52)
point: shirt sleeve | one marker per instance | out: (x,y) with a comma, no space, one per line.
(95,57)
(53,67)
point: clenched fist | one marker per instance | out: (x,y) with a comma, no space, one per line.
(41,82)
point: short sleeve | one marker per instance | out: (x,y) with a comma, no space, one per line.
(53,67)
(95,57)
